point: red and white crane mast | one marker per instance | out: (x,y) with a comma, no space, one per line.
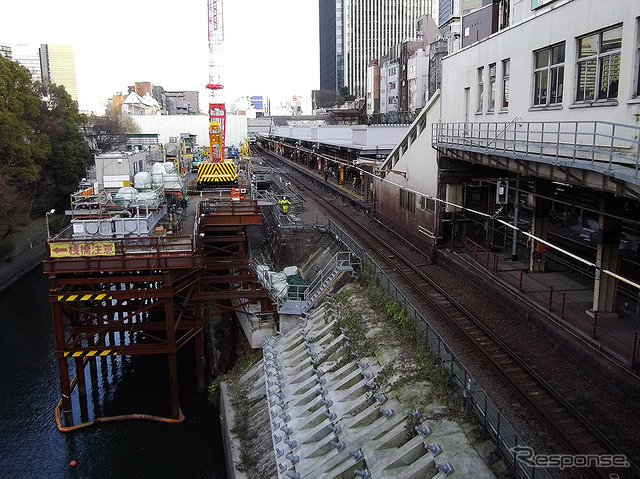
(217,110)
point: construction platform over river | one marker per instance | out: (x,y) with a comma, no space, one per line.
(140,271)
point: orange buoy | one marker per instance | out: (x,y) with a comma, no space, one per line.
(73,463)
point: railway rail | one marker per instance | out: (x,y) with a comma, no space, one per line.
(574,433)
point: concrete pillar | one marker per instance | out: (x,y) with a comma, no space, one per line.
(540,225)
(607,257)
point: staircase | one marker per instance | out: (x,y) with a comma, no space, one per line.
(341,263)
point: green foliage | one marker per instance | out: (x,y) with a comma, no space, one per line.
(22,145)
(129,125)
(67,163)
(13,213)
(43,153)
(409,338)
(239,368)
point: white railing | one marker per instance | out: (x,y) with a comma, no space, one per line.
(608,146)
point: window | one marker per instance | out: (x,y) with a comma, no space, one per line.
(548,75)
(492,87)
(599,65)
(506,68)
(427,204)
(408,200)
(480,90)
(637,86)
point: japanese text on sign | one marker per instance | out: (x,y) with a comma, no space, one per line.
(61,250)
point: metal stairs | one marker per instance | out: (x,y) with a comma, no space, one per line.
(341,263)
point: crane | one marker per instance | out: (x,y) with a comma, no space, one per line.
(217,109)
(218,169)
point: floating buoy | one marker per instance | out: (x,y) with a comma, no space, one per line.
(73,463)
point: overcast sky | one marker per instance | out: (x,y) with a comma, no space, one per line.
(270,48)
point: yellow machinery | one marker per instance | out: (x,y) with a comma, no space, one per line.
(218,171)
(245,149)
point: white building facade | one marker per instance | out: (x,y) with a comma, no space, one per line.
(389,86)
(418,79)
(555,68)
(550,66)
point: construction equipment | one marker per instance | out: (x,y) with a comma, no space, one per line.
(218,170)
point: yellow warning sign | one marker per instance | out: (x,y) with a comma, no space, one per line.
(62,250)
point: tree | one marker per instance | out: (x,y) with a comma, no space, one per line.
(326,98)
(67,162)
(346,95)
(104,133)
(22,146)
(13,213)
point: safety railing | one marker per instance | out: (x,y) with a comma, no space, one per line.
(608,146)
(476,400)
(63,246)
(341,261)
(599,330)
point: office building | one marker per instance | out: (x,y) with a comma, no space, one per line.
(355,32)
(331,45)
(58,66)
(372,28)
(29,57)
(5,50)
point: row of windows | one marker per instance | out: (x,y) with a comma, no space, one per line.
(597,67)
(408,202)
(491,90)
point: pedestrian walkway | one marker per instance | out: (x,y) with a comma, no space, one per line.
(567,298)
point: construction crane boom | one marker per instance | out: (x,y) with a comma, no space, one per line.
(218,171)
(217,109)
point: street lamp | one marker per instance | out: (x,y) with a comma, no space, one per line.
(47,219)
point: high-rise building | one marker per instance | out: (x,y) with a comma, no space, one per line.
(29,57)
(355,32)
(331,45)
(5,50)
(58,66)
(372,28)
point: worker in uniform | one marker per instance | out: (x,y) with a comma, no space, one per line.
(284,203)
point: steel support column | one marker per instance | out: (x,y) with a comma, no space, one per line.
(540,226)
(607,257)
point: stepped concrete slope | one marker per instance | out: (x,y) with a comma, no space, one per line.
(329,417)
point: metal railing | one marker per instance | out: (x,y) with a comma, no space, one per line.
(341,261)
(608,147)
(596,329)
(476,400)
(158,246)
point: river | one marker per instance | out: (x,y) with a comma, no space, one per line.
(32,447)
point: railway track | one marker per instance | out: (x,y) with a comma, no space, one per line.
(573,432)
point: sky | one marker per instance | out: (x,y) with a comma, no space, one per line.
(270,47)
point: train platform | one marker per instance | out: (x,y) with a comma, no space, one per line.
(330,183)
(565,297)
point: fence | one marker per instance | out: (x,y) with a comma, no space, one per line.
(602,331)
(477,401)
(605,146)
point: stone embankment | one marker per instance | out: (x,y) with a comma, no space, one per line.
(28,253)
(315,407)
